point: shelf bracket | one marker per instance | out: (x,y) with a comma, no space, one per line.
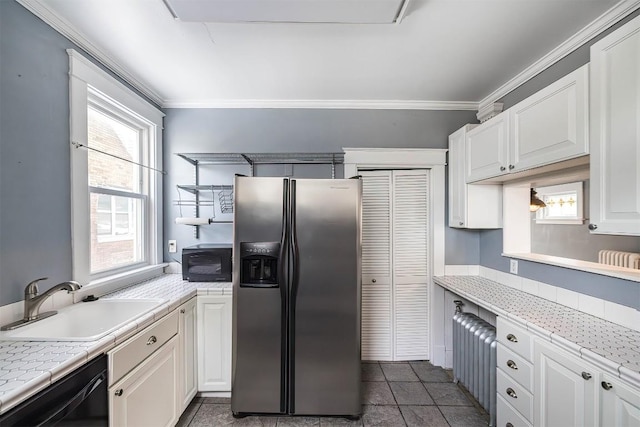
(248,159)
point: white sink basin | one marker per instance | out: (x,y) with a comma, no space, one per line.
(84,321)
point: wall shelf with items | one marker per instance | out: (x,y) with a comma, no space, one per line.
(224,199)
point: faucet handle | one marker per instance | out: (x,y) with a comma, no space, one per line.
(32,288)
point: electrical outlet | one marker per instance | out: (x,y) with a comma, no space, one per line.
(513,266)
(172,246)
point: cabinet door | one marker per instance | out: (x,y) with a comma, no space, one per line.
(457,179)
(148,395)
(188,379)
(565,389)
(214,342)
(488,149)
(619,403)
(551,125)
(376,266)
(470,206)
(615,132)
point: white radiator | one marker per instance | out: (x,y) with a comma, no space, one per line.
(619,258)
(474,358)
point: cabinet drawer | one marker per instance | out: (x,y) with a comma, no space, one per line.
(515,366)
(515,394)
(129,354)
(515,338)
(506,416)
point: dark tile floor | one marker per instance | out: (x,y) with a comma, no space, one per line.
(393,394)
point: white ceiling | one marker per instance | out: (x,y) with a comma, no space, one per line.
(442,51)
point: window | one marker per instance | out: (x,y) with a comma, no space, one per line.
(116,189)
(564,204)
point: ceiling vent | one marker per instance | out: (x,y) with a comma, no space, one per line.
(294,11)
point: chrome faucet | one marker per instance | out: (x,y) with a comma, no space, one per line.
(33,300)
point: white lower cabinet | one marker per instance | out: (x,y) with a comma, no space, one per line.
(148,395)
(188,360)
(214,342)
(619,403)
(565,388)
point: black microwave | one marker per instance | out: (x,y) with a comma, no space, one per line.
(207,262)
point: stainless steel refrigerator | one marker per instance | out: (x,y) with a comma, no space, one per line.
(296,297)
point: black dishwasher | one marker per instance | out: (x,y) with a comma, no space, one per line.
(78,399)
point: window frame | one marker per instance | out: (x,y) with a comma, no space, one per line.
(90,85)
(542,215)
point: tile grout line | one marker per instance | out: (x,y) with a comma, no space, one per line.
(429,394)
(394,396)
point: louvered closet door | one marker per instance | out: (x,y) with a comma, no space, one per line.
(376,266)
(410,231)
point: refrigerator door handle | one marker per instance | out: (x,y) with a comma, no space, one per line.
(283,239)
(284,289)
(293,283)
(294,243)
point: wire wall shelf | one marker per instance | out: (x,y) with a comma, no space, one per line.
(225,192)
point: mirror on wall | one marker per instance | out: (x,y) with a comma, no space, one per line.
(561,228)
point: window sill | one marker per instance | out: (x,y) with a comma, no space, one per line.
(112,283)
(589,267)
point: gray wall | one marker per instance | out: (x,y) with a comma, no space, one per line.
(34,153)
(575,240)
(620,291)
(295,130)
(617,290)
(35,206)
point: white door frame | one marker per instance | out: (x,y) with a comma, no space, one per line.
(356,159)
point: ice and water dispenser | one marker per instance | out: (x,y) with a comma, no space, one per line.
(259,264)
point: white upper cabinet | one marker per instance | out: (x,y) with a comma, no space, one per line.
(470,206)
(551,125)
(488,148)
(615,132)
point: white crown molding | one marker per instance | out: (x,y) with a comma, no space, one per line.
(324,103)
(489,111)
(604,21)
(66,29)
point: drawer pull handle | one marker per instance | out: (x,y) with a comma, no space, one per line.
(373,280)
(512,338)
(118,392)
(606,385)
(586,375)
(182,311)
(512,393)
(508,425)
(152,340)
(511,167)
(502,168)
(512,365)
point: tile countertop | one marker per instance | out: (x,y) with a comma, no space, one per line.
(27,367)
(613,347)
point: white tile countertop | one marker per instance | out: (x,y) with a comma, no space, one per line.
(613,347)
(26,367)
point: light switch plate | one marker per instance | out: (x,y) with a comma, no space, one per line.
(513,266)
(172,246)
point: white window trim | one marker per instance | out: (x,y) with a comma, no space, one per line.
(82,75)
(542,218)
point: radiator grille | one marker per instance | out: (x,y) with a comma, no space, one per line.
(619,258)
(474,359)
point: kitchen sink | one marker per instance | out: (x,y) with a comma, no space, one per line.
(84,321)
